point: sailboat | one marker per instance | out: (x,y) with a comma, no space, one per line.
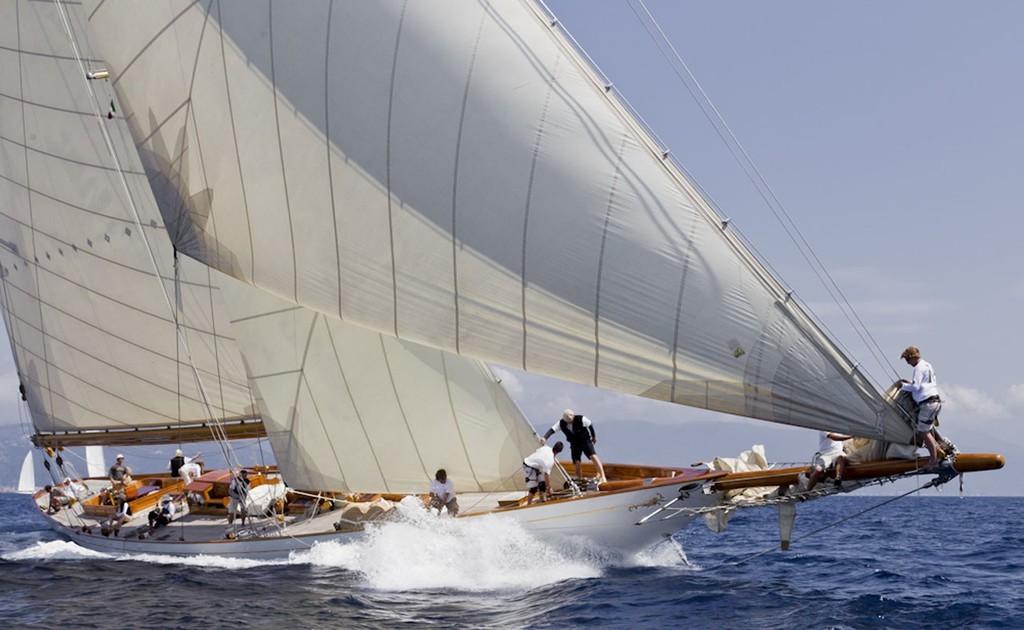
(320,223)
(27,476)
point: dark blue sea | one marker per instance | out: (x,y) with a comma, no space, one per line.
(919,562)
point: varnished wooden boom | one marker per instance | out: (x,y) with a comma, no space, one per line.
(237,430)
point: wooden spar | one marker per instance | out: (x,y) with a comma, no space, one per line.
(967,462)
(250,428)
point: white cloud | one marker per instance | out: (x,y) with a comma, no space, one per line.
(972,405)
(1015,396)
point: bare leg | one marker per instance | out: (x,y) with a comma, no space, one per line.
(813,479)
(579,469)
(600,469)
(929,443)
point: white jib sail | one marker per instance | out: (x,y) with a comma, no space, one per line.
(349,409)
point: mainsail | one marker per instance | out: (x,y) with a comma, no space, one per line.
(461,178)
(94,337)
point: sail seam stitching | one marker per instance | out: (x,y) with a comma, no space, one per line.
(401,408)
(238,153)
(327,143)
(455,177)
(303,383)
(387,159)
(280,155)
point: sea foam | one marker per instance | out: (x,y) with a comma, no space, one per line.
(424,551)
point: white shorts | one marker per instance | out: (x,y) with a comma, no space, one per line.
(927,413)
(235,505)
(825,461)
(534,478)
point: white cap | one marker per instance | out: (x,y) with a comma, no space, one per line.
(119,456)
(67,479)
(178,452)
(568,415)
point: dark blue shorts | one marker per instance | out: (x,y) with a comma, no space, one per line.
(578,450)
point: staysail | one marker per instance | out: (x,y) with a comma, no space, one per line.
(461,178)
(349,409)
(93,335)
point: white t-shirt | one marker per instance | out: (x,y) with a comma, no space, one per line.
(923,384)
(827,446)
(190,470)
(446,491)
(73,489)
(543,459)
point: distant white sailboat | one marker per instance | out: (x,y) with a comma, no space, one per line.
(373,200)
(95,463)
(27,478)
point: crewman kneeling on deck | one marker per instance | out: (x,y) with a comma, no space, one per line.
(162,514)
(58,498)
(537,469)
(442,494)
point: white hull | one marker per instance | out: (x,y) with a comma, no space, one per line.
(610,520)
(257,548)
(607,519)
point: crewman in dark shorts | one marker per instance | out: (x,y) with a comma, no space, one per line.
(579,432)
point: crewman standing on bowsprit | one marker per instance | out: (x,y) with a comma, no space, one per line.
(579,432)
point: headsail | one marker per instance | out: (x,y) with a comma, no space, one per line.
(93,335)
(350,409)
(462,179)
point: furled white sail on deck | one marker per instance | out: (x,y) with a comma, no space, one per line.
(349,409)
(93,337)
(455,175)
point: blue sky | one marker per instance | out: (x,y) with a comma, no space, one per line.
(891,133)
